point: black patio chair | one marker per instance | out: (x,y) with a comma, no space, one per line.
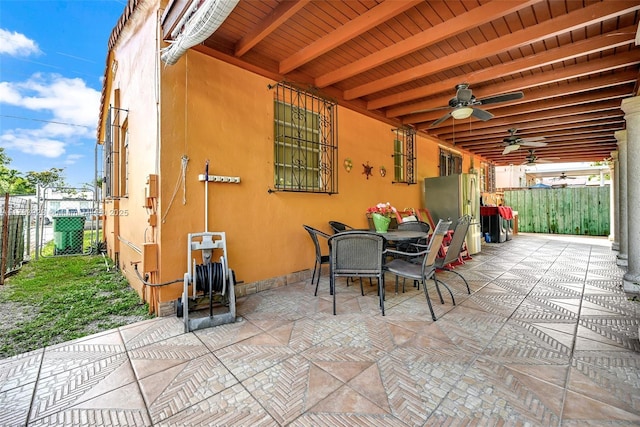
(403,266)
(455,247)
(339,227)
(320,258)
(413,226)
(357,254)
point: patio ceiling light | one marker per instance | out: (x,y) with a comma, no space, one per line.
(462,113)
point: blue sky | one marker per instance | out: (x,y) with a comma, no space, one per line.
(52,62)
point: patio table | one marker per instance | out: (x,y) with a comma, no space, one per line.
(403,235)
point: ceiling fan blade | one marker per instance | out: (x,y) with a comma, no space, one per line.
(440,120)
(535,138)
(533,143)
(501,98)
(509,148)
(428,110)
(481,114)
(544,161)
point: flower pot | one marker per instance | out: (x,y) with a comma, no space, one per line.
(380,222)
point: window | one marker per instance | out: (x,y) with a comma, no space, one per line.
(404,161)
(305,141)
(108,156)
(487,177)
(450,162)
(124,159)
(116,148)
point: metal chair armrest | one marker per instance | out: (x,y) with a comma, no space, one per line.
(404,254)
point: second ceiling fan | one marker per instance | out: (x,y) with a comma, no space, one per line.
(513,142)
(465,104)
(532,159)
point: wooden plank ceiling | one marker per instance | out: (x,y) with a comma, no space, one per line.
(401,60)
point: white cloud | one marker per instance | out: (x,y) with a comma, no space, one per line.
(71,106)
(69,100)
(24,140)
(16,44)
(73,158)
(8,94)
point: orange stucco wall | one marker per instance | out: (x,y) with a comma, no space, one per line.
(218,112)
(133,76)
(210,110)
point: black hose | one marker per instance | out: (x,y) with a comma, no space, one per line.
(142,279)
(209,277)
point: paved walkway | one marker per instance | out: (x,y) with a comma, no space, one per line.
(547,338)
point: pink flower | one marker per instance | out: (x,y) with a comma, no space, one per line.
(383,209)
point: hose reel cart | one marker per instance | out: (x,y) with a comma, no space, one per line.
(208,297)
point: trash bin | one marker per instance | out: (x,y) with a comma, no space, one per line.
(68,234)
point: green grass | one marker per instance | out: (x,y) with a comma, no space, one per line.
(57,299)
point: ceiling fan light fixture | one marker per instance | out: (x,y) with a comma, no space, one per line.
(462,113)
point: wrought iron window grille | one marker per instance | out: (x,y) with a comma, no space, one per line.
(450,163)
(113,133)
(305,141)
(404,160)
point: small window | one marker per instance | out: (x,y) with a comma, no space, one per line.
(305,141)
(115,161)
(124,160)
(404,160)
(450,162)
(487,177)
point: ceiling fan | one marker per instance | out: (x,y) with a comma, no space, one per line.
(463,105)
(532,159)
(562,176)
(513,142)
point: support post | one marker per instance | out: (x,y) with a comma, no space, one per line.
(631,279)
(5,238)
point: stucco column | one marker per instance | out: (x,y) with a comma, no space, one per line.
(614,209)
(621,136)
(631,108)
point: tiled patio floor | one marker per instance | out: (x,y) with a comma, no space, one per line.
(547,338)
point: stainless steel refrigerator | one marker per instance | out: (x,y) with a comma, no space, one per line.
(453,196)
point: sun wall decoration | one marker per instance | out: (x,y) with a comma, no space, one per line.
(367,170)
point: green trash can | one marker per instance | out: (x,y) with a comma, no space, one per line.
(68,234)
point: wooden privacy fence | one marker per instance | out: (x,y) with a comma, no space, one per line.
(570,210)
(14,223)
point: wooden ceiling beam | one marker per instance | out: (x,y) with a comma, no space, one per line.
(561,150)
(368,20)
(276,18)
(597,107)
(588,15)
(549,102)
(553,145)
(611,124)
(459,24)
(497,139)
(563,53)
(531,122)
(601,65)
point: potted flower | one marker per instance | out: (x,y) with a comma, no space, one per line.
(381,216)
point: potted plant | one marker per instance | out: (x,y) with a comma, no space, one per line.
(381,216)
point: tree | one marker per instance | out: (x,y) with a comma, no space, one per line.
(50,178)
(12,181)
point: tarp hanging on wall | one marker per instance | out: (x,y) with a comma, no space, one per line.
(201,23)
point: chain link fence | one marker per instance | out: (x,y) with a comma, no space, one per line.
(68,222)
(54,222)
